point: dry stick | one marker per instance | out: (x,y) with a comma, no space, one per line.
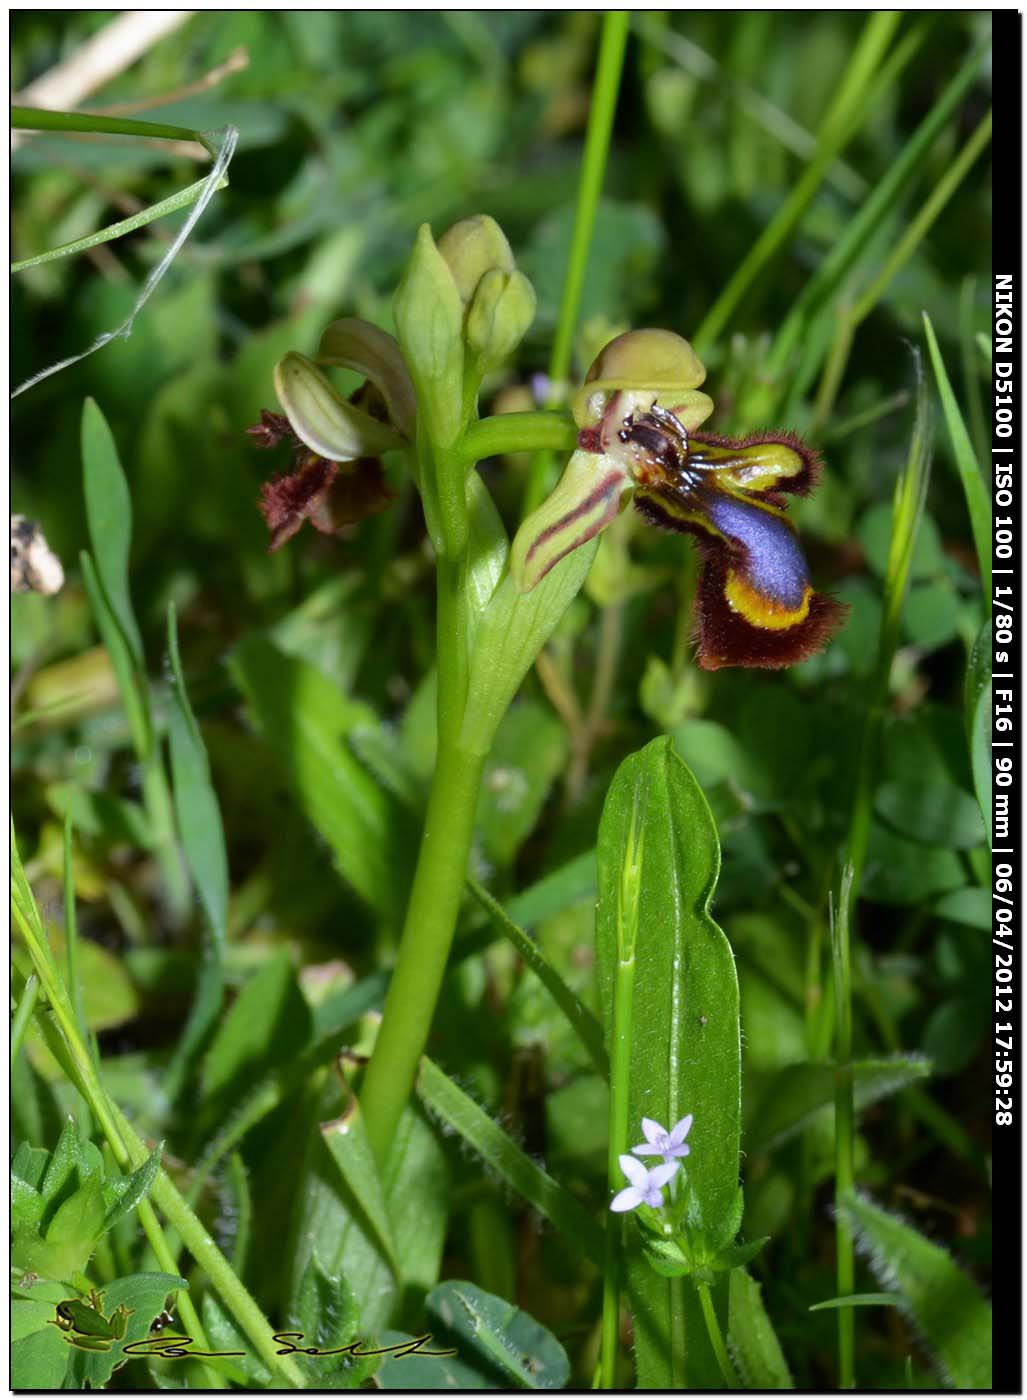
(236,61)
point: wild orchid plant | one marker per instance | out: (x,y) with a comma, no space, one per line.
(633,431)
(461,309)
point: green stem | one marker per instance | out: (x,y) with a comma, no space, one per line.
(716,1337)
(518,432)
(628,897)
(620,1068)
(23,1015)
(71,926)
(425,943)
(593,168)
(844,1134)
(606,87)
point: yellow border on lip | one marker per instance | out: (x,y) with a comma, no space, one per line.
(760,611)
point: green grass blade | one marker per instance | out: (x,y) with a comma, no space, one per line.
(977,500)
(37,119)
(450,1105)
(869,218)
(838,126)
(581,1019)
(182,200)
(23,1015)
(944,1305)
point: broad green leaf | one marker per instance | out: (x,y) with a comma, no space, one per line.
(899,871)
(931,814)
(127,673)
(496,1337)
(946,1308)
(124,1195)
(307,722)
(26,1203)
(875,533)
(658,851)
(978,502)
(970,906)
(268,1024)
(143,1295)
(346,1140)
(977,711)
(751,1340)
(64,1160)
(328,1315)
(39,1355)
(513,630)
(526,758)
(198,818)
(930,618)
(412,1366)
(332,1223)
(447,1102)
(109,516)
(794,1095)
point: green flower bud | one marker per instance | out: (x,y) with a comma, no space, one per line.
(645,367)
(322,419)
(473,247)
(429,320)
(501,310)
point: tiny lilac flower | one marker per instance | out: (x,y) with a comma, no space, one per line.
(660,1143)
(645,1184)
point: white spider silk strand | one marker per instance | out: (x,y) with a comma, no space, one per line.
(228,136)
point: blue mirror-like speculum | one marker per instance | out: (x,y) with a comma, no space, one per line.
(755,605)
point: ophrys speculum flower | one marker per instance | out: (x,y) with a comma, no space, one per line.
(639,415)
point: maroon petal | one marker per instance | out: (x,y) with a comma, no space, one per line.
(286,501)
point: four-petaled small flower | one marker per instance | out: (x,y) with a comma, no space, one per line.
(645,1184)
(660,1143)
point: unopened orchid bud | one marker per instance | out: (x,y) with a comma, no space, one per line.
(501,310)
(429,321)
(473,247)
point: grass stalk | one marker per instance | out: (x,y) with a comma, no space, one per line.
(844,1130)
(715,1335)
(839,124)
(605,90)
